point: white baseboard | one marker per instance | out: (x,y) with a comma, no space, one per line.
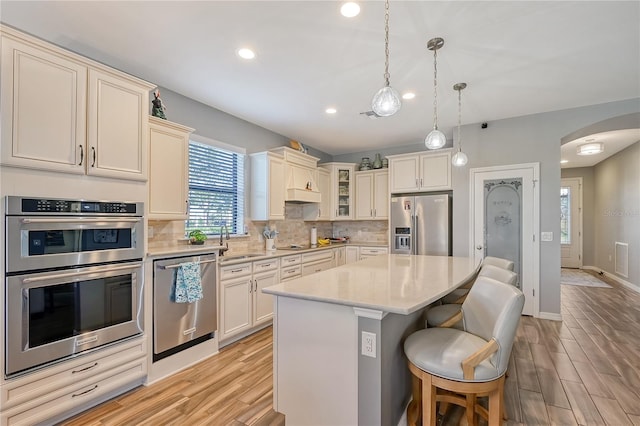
(616,278)
(550,316)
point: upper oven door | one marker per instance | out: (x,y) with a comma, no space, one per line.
(43,242)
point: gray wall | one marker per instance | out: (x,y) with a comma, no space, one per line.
(588,211)
(617,210)
(218,125)
(527,139)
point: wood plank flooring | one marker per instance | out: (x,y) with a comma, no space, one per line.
(584,370)
(233,388)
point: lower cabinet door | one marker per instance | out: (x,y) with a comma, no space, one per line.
(235,306)
(263,303)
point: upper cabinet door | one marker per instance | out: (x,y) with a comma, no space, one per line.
(43,100)
(168,169)
(435,172)
(117,127)
(404,173)
(364,196)
(381,194)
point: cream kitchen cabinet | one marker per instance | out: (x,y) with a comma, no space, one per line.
(366,252)
(420,171)
(317,261)
(73,385)
(62,112)
(342,190)
(340,256)
(321,210)
(372,195)
(168,170)
(243,306)
(352,254)
(267,186)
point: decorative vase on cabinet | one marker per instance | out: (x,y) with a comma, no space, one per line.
(377,162)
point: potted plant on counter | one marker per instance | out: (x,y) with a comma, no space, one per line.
(197,237)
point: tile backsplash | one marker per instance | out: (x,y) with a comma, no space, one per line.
(292,230)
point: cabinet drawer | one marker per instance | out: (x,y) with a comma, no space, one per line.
(312,268)
(33,386)
(372,251)
(290,272)
(121,377)
(233,271)
(291,260)
(265,265)
(317,256)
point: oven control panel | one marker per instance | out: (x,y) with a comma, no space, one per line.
(25,205)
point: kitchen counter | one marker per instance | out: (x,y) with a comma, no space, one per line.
(395,283)
(320,345)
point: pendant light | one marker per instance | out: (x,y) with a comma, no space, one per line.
(459,158)
(386,101)
(435,139)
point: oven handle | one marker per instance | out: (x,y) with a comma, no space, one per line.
(177,265)
(73,274)
(61,220)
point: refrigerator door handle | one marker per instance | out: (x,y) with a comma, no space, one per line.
(414,249)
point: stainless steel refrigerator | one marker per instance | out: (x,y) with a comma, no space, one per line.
(421,224)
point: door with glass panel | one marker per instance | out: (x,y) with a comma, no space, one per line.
(571,223)
(503,221)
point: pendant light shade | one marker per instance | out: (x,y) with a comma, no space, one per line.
(386,101)
(435,139)
(460,158)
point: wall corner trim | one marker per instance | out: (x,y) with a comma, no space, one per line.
(369,313)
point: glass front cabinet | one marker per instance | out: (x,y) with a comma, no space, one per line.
(341,191)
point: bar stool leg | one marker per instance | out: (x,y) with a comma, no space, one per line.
(413,411)
(428,401)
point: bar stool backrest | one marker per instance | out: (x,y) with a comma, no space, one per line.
(492,310)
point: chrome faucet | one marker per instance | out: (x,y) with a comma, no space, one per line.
(224,230)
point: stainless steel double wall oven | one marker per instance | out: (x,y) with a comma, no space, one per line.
(74,278)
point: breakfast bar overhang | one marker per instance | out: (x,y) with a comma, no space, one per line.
(320,375)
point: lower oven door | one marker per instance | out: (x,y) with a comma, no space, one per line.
(55,315)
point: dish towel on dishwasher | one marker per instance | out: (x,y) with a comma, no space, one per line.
(188,285)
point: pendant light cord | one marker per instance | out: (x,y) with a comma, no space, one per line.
(386,43)
(459,118)
(435,89)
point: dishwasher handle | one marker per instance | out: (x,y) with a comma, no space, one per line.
(177,265)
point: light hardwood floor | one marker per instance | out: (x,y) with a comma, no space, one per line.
(584,370)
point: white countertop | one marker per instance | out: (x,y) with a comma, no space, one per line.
(390,283)
(233,257)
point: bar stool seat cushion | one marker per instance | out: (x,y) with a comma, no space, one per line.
(440,351)
(439,314)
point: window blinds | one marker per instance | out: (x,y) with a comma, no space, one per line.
(216,189)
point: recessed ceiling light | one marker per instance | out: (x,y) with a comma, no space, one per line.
(564,161)
(408,95)
(591,148)
(350,9)
(330,110)
(246,53)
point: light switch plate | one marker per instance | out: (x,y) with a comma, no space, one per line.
(546,236)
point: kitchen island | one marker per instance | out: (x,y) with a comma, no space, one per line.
(325,322)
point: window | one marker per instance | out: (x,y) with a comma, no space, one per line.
(216,188)
(565,215)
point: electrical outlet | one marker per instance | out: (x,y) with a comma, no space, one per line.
(368,344)
(546,236)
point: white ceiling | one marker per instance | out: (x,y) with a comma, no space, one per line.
(518,58)
(614,141)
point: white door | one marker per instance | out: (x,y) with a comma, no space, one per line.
(504,222)
(571,223)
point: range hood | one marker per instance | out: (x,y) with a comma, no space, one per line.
(300,176)
(301,185)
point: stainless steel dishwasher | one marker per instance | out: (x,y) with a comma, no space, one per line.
(178,326)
